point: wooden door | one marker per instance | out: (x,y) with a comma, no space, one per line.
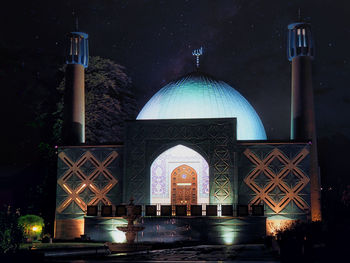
(184,186)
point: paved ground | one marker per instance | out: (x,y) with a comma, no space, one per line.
(204,253)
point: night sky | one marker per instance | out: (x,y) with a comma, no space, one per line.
(244,43)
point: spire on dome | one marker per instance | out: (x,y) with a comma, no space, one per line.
(197,53)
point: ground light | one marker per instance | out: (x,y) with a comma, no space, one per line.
(118,236)
(278,224)
(227,234)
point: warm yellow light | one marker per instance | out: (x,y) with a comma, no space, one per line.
(67,188)
(35,228)
(275,225)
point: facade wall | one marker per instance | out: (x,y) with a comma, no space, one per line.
(85,176)
(214,139)
(276,175)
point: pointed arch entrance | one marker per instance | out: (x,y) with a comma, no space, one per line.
(177,165)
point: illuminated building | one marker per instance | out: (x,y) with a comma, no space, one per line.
(199,149)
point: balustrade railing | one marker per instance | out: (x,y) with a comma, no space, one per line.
(147,210)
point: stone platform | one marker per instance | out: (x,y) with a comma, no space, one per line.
(211,230)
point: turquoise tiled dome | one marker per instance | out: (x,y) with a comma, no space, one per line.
(198,95)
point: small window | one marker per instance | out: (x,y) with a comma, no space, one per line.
(71,46)
(76,46)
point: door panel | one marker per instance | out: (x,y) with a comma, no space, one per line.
(184,186)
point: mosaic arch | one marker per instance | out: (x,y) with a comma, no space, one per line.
(166,162)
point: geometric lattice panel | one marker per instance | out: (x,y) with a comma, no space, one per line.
(86,180)
(277,180)
(222,185)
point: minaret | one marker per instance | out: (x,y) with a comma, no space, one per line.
(74,99)
(301,54)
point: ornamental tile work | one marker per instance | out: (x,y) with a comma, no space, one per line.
(166,162)
(86,176)
(277,176)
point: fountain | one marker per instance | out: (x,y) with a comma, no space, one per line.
(130,231)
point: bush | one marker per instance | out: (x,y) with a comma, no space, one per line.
(46,238)
(10,231)
(314,241)
(32,226)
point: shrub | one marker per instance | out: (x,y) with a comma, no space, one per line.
(32,226)
(10,231)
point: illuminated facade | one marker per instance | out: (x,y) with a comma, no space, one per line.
(197,144)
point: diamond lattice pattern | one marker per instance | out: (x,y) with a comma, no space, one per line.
(282,185)
(87,181)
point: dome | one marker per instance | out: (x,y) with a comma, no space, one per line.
(198,95)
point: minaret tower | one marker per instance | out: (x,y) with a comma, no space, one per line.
(74,100)
(301,54)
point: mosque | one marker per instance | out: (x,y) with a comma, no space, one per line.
(196,157)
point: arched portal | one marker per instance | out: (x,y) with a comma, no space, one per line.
(164,166)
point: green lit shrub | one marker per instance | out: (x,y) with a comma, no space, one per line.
(32,226)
